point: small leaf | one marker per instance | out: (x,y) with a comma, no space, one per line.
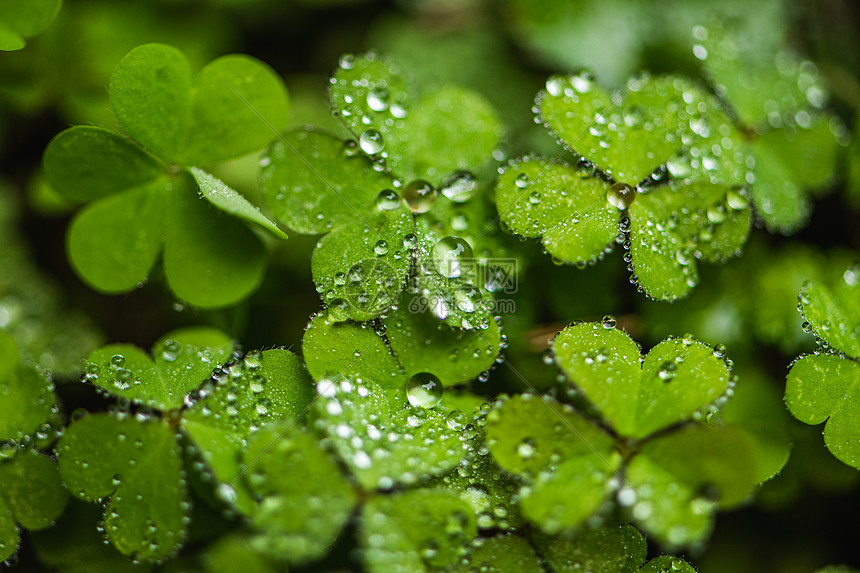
(210,259)
(361,266)
(314,181)
(568,209)
(619,549)
(415,530)
(384,449)
(32,496)
(150,91)
(233,553)
(84,163)
(271,386)
(305,499)
(238,105)
(501,554)
(823,387)
(628,134)
(137,465)
(184,359)
(681,479)
(677,377)
(334,349)
(28,396)
(21,19)
(423,344)
(832,314)
(113,242)
(229,201)
(424,149)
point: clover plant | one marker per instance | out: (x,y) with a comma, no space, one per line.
(419,379)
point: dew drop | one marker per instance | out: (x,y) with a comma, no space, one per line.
(527,449)
(8,449)
(609,322)
(452,256)
(461,187)
(720,350)
(378,99)
(117,361)
(522,180)
(621,196)
(350,148)
(387,200)
(371,142)
(419,195)
(424,390)
(381,247)
(467,299)
(667,371)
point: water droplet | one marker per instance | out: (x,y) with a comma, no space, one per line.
(350,148)
(467,299)
(457,420)
(736,200)
(253,360)
(419,195)
(534,197)
(424,390)
(91,372)
(356,273)
(371,142)
(123,379)
(409,241)
(527,449)
(633,115)
(522,180)
(461,187)
(667,371)
(8,449)
(609,322)
(377,99)
(170,351)
(720,350)
(621,196)
(452,256)
(717,213)
(581,82)
(340,279)
(347,61)
(381,247)
(117,360)
(387,200)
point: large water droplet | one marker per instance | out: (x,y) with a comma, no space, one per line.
(387,200)
(621,196)
(467,299)
(381,247)
(424,390)
(419,195)
(117,360)
(667,371)
(461,187)
(527,449)
(8,449)
(452,256)
(171,349)
(371,142)
(609,322)
(522,180)
(377,99)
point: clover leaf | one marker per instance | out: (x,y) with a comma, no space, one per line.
(823,386)
(28,396)
(216,408)
(636,396)
(640,454)
(407,347)
(658,172)
(178,124)
(33,496)
(378,196)
(500,553)
(619,549)
(779,102)
(21,19)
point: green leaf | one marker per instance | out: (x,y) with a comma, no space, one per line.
(265,387)
(113,243)
(370,92)
(234,553)
(680,480)
(361,266)
(304,498)
(137,465)
(451,129)
(628,135)
(381,448)
(568,209)
(150,91)
(229,201)
(619,549)
(424,344)
(233,106)
(334,349)
(415,530)
(28,397)
(184,359)
(314,181)
(20,19)
(677,378)
(33,496)
(238,105)
(666,563)
(210,259)
(500,554)
(832,314)
(84,163)
(823,387)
